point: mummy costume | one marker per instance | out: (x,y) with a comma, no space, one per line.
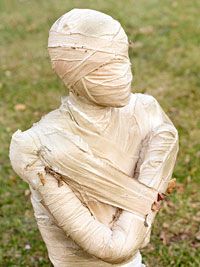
(99,165)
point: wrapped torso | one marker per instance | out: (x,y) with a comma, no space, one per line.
(78,228)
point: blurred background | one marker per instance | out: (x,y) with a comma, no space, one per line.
(165,53)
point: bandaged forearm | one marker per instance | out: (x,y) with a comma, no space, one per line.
(129,231)
(112,245)
(157,157)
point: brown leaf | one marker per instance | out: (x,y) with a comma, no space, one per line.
(146,30)
(135,45)
(28,214)
(180,188)
(198,154)
(194,205)
(150,247)
(171,185)
(27,192)
(188,179)
(187,159)
(174,4)
(8,73)
(164,238)
(166,225)
(155,206)
(197,236)
(170,204)
(195,245)
(13,178)
(20,107)
(196,219)
(36,113)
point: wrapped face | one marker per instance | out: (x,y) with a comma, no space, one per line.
(89,52)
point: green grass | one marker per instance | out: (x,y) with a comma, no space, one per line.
(165,64)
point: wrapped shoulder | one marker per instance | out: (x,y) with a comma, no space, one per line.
(23,153)
(155,115)
(148,101)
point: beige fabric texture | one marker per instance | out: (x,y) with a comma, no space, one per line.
(114,150)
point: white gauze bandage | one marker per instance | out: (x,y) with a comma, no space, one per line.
(89,52)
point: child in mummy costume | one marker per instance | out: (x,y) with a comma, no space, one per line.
(98,166)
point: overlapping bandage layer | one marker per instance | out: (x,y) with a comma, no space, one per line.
(91,57)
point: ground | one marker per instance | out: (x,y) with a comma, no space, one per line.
(164,50)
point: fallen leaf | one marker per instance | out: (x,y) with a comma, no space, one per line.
(188,179)
(150,247)
(171,186)
(27,192)
(20,107)
(164,238)
(28,214)
(195,245)
(13,178)
(166,225)
(27,247)
(170,204)
(146,30)
(196,219)
(135,45)
(198,154)
(197,236)
(8,73)
(36,113)
(174,4)
(155,206)
(180,188)
(187,159)
(31,28)
(194,205)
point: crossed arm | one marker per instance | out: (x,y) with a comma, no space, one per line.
(114,245)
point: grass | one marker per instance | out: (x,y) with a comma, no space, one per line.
(166,64)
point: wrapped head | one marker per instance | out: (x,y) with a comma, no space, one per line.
(89,52)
